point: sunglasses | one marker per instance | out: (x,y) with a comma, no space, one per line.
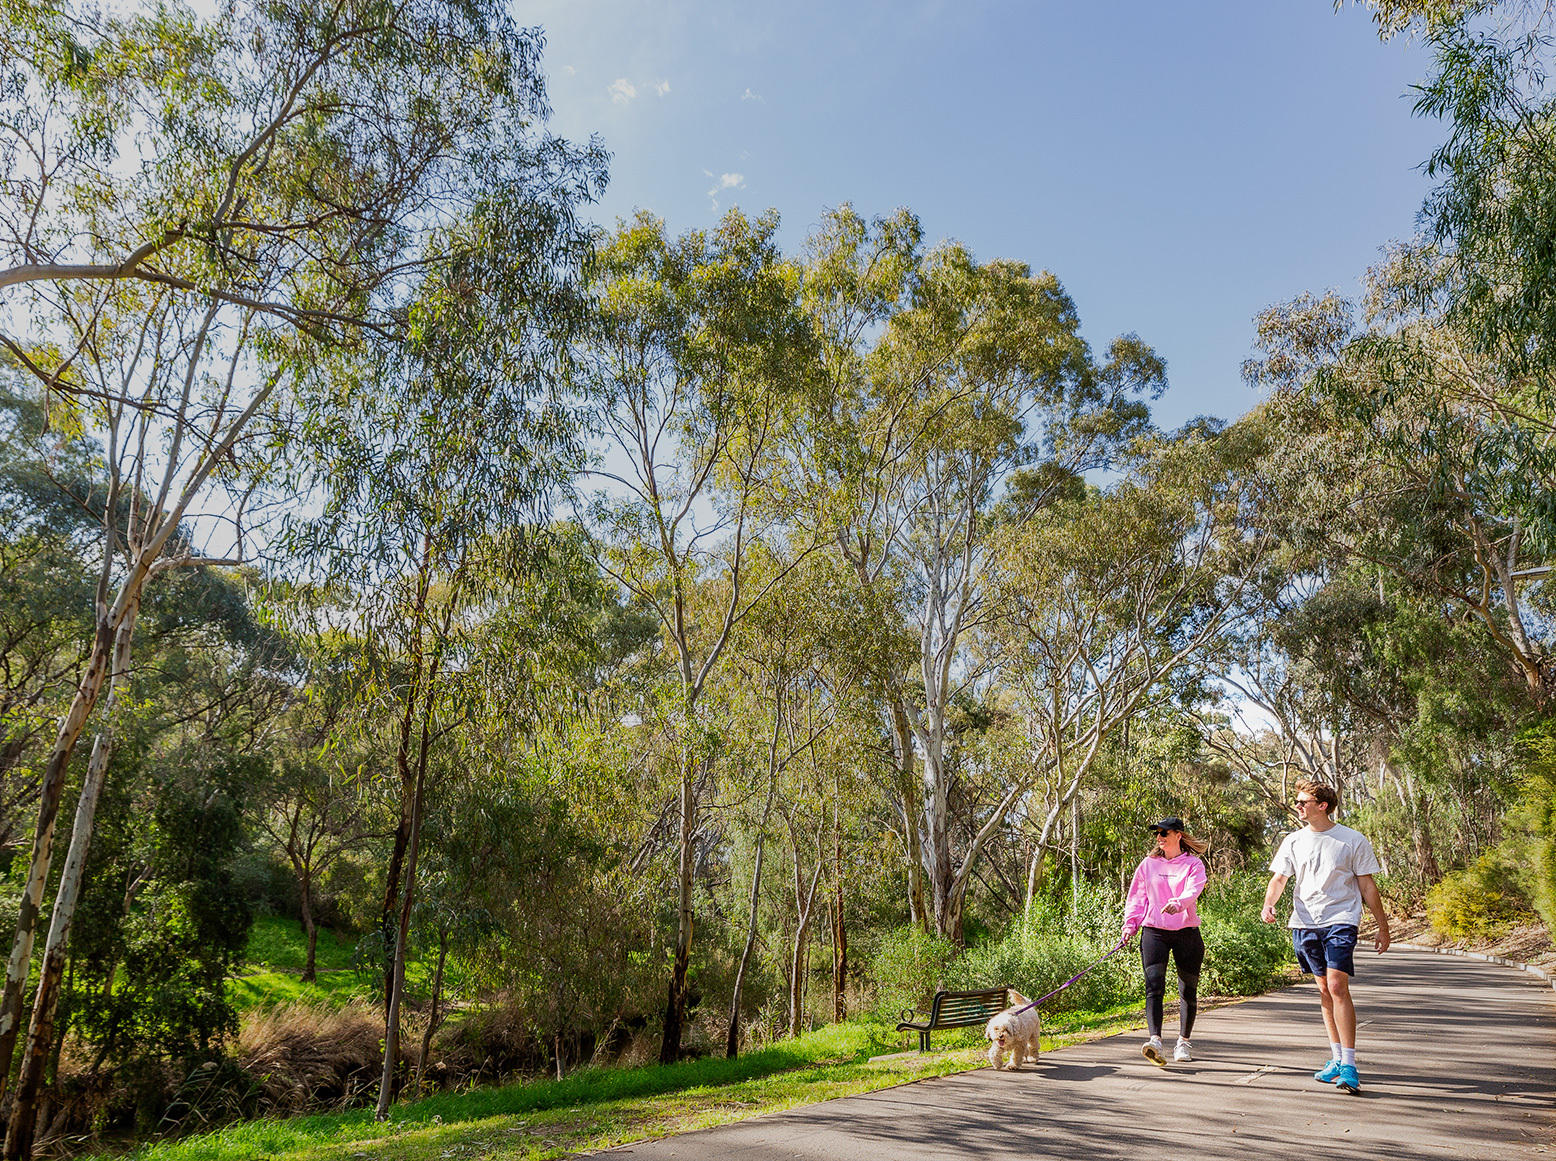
(1305,801)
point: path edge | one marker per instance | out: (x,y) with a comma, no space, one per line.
(1486,957)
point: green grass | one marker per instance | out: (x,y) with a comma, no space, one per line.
(275,942)
(267,989)
(601,1108)
(278,950)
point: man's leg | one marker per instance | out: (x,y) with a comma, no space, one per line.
(1340,1017)
(1326,999)
(1339,1008)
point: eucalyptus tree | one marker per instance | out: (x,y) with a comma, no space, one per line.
(1491,215)
(698,357)
(201,185)
(1106,598)
(438,493)
(946,380)
(771,691)
(1395,444)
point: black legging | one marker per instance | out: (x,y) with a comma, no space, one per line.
(1188,952)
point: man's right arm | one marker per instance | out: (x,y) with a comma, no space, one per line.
(1272,895)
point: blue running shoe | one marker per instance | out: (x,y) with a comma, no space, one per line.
(1329,1073)
(1347,1080)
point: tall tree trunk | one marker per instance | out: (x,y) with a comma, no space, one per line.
(732,1036)
(402,765)
(310,929)
(902,738)
(397,978)
(1034,877)
(799,957)
(432,1014)
(839,932)
(1075,852)
(403,931)
(675,1004)
(50,792)
(40,1033)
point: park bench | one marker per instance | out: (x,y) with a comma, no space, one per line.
(955,1010)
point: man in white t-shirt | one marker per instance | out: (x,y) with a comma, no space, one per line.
(1333,866)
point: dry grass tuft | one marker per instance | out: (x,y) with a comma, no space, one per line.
(311,1055)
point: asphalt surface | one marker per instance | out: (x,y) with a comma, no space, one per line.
(1457,1059)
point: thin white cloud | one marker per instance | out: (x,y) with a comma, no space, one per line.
(748,95)
(621,91)
(661,88)
(725,181)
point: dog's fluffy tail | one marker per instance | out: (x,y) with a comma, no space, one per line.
(1016,998)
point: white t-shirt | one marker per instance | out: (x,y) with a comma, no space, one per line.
(1325,865)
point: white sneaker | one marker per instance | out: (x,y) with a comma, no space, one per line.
(1153,1052)
(1183,1052)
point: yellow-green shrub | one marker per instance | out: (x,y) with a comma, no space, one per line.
(1480,901)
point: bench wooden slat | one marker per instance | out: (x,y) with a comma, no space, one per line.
(957,1010)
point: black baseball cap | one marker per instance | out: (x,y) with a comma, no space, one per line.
(1167,824)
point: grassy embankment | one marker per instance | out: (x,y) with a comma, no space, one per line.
(599,1108)
(593,1108)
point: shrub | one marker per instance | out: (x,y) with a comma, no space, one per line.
(1035,960)
(908,968)
(1480,901)
(1243,956)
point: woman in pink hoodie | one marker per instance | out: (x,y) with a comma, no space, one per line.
(1161,908)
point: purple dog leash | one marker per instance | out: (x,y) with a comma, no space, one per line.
(1123,943)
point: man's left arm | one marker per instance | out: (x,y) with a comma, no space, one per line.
(1374,903)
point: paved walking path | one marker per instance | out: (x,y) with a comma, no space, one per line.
(1457,1058)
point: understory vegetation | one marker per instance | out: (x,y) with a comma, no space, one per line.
(458,661)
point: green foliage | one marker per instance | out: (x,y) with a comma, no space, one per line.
(1243,955)
(1533,820)
(1036,959)
(150,966)
(908,967)
(1478,902)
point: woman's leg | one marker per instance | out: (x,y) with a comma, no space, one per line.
(1188,956)
(1154,947)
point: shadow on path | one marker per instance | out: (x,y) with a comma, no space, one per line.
(1458,1059)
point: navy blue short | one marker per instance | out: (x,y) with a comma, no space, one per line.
(1320,949)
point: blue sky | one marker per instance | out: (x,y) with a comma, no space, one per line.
(1179,164)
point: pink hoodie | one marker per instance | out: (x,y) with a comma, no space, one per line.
(1159,881)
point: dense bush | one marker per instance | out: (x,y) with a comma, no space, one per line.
(1035,961)
(1243,955)
(1058,938)
(908,967)
(1062,937)
(1481,900)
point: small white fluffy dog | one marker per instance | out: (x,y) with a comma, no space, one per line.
(1015,1032)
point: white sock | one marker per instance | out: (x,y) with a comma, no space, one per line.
(1156,1040)
(1348,1056)
(1334,1051)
